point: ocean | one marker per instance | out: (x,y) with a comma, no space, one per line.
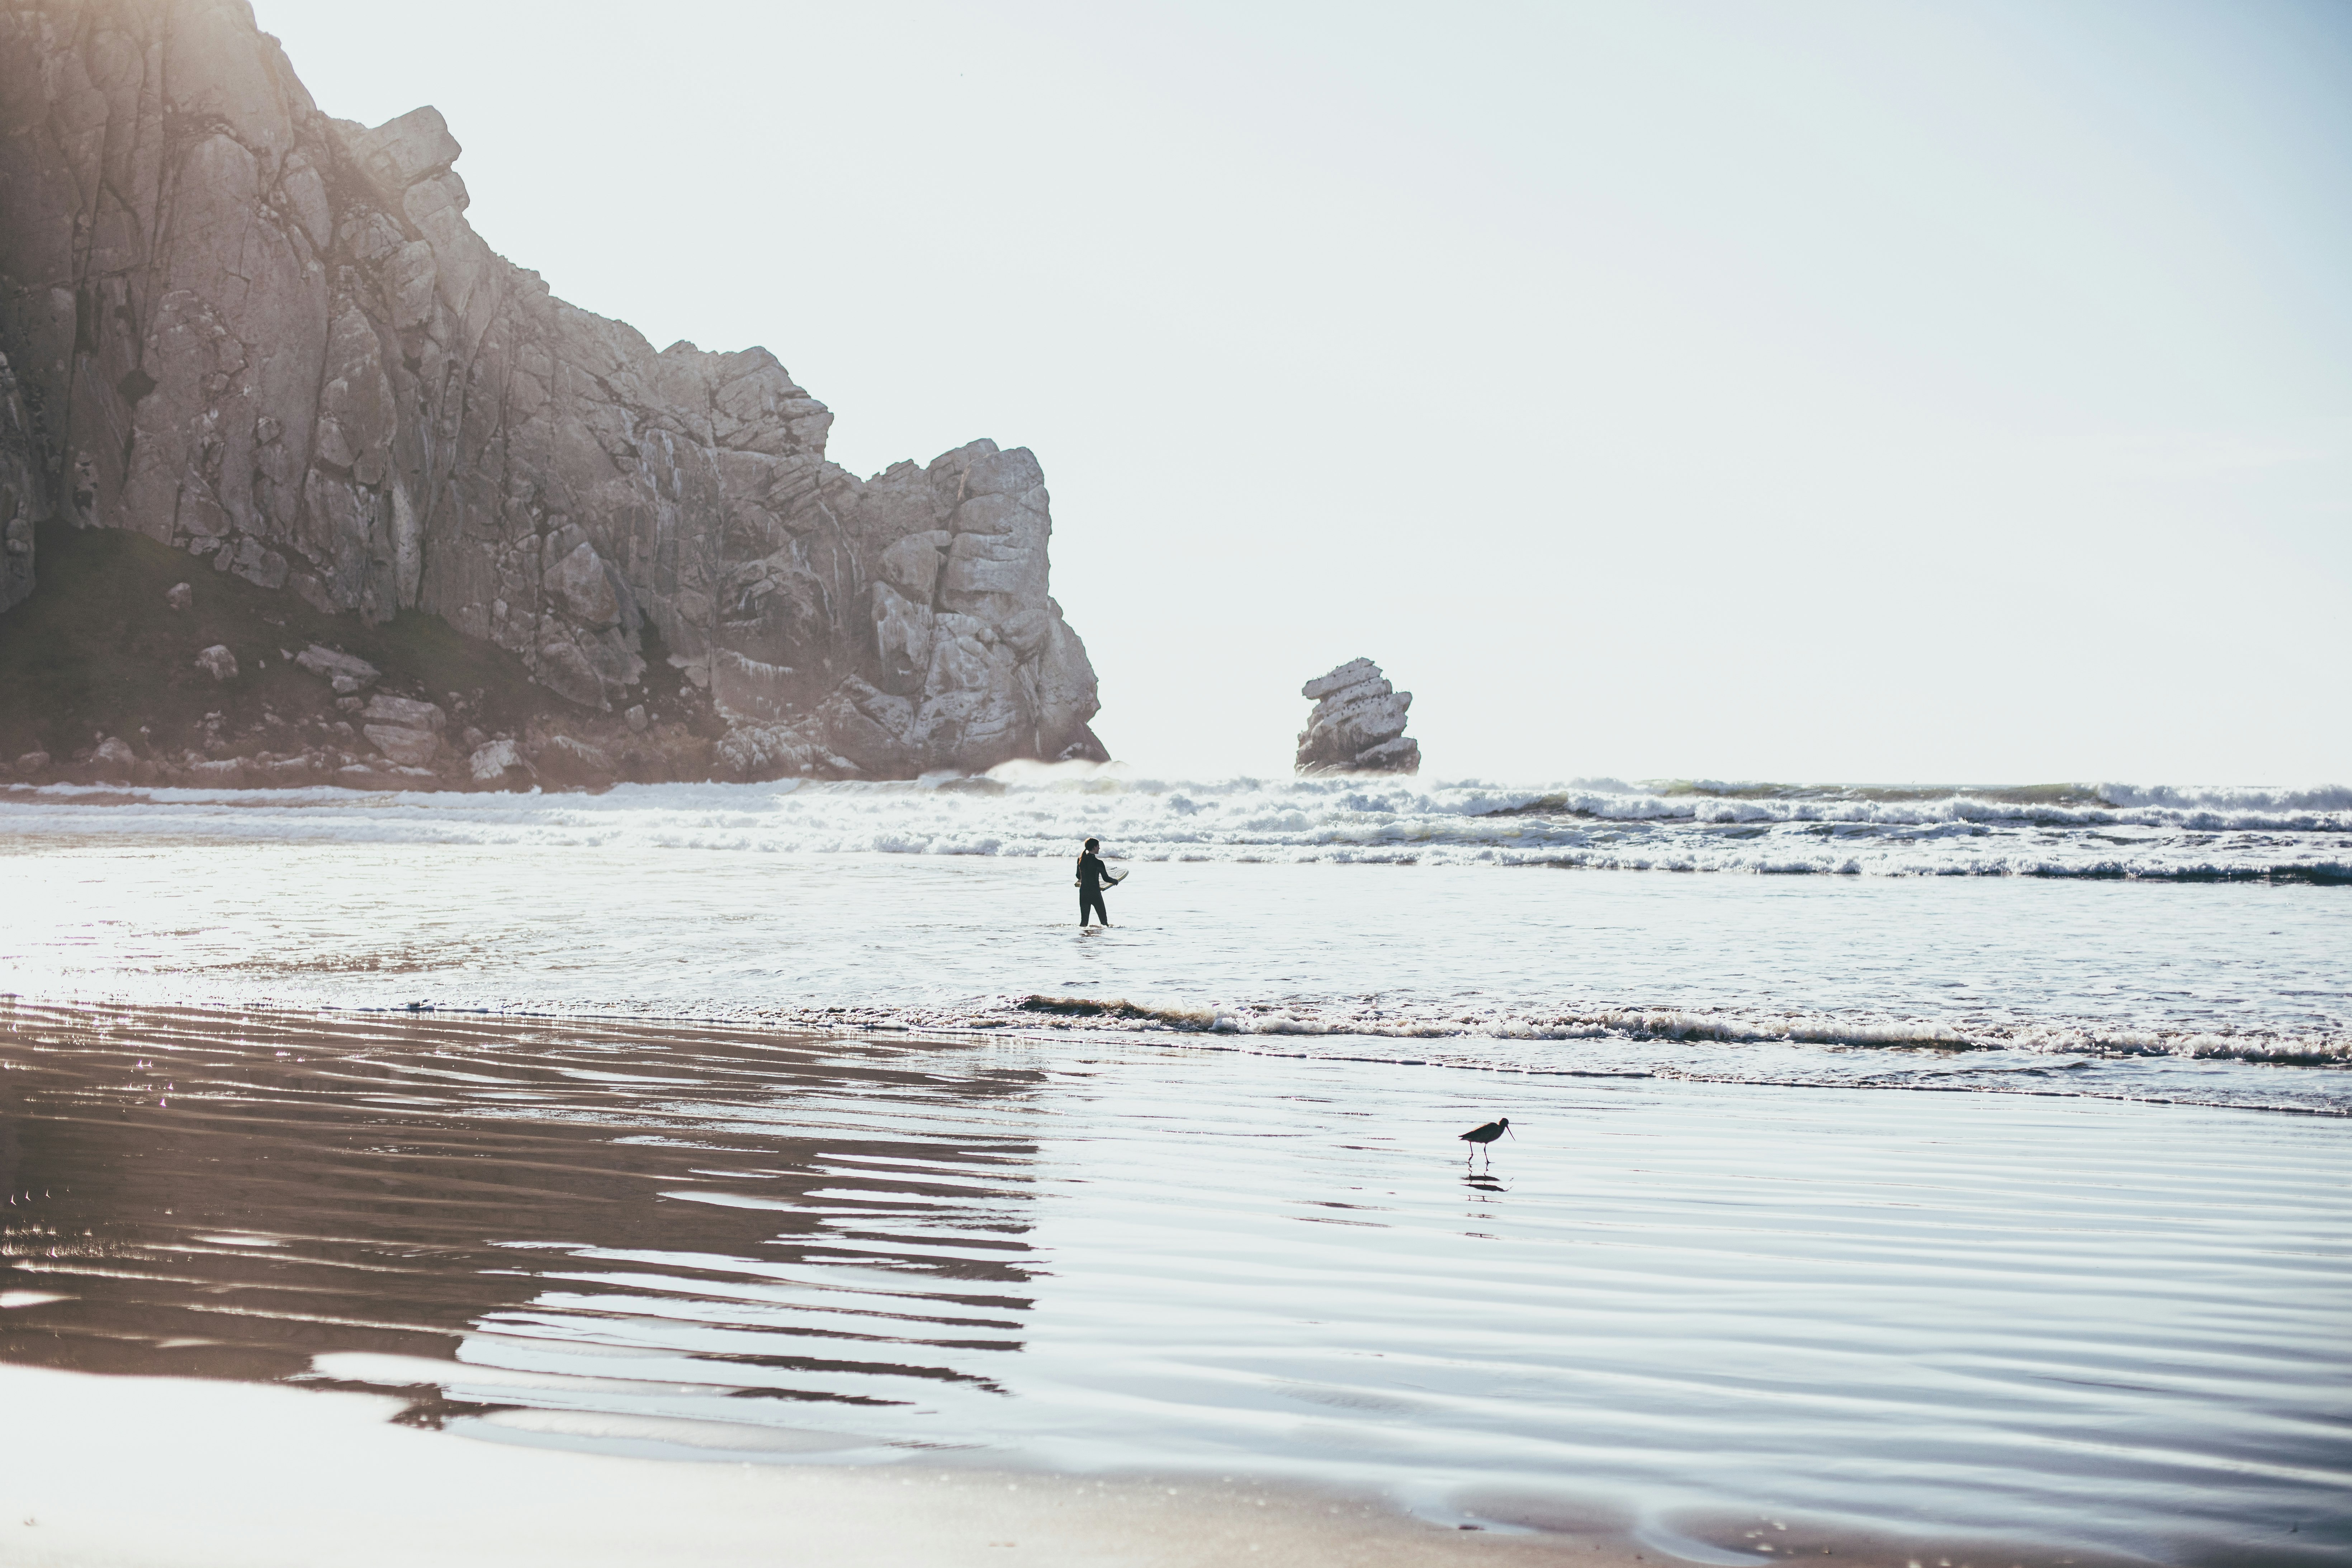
(2140,942)
(1890,1165)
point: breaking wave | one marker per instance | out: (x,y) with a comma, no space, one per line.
(2153,831)
(1388,1020)
(2335,799)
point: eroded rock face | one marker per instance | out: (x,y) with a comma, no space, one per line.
(22,497)
(271,338)
(1358,725)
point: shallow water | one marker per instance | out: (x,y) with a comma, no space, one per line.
(2095,1323)
(2225,992)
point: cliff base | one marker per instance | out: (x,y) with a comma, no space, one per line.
(105,678)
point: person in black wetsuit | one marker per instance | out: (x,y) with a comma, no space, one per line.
(1090,885)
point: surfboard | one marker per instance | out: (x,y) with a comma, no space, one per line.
(1114,876)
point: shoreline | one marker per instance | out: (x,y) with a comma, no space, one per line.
(819,1023)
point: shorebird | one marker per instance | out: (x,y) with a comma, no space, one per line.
(1484,1136)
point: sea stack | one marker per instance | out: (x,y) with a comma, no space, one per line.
(1358,725)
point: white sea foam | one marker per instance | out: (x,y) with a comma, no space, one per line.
(945,904)
(1435,1022)
(2323,798)
(2109,830)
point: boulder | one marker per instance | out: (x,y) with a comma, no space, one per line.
(494,760)
(114,761)
(217,662)
(180,596)
(33,762)
(224,774)
(409,748)
(345,673)
(1357,724)
(407,712)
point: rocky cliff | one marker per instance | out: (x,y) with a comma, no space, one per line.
(23,503)
(1357,724)
(270,339)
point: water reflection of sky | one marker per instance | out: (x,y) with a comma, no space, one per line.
(1892,1307)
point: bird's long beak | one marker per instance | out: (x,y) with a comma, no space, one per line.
(1513,1134)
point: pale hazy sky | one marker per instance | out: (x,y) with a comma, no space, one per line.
(1803,391)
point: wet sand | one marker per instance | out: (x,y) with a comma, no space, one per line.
(149,1470)
(132,1471)
(583,1291)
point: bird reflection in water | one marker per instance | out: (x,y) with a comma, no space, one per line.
(1481,1141)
